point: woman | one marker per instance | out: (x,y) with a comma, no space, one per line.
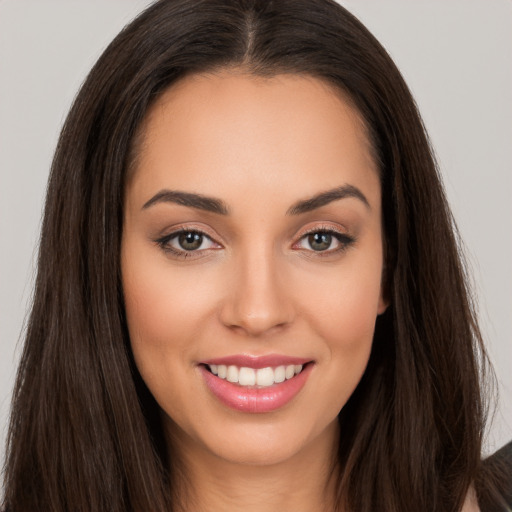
(241,276)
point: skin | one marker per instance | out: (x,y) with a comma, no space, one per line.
(256,285)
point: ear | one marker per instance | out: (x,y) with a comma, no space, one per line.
(384,292)
(383,303)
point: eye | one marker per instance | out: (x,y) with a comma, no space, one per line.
(184,242)
(325,241)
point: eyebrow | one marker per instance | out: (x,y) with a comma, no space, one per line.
(324,198)
(198,201)
(214,205)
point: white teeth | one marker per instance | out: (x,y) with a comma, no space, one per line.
(265,377)
(222,371)
(232,374)
(279,374)
(247,377)
(262,377)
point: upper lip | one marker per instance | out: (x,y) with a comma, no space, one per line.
(251,361)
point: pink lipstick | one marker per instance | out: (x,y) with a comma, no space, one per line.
(256,384)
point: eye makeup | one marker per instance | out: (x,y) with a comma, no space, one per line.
(186,243)
(192,242)
(322,239)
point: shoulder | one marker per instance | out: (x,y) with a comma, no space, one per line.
(471,502)
(494,482)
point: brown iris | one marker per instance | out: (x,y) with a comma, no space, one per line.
(190,240)
(320,241)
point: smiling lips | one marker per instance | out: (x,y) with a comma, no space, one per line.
(256,384)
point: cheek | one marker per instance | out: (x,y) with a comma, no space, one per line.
(342,309)
(159,312)
(348,329)
(344,305)
(163,304)
(165,311)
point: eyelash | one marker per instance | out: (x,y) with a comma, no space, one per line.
(180,253)
(343,239)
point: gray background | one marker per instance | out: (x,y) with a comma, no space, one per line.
(455,55)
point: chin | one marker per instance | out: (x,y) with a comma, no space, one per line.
(265,440)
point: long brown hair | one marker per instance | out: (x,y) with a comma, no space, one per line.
(84,432)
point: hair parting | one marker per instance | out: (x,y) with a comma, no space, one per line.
(85,432)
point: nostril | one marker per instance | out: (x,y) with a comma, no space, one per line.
(255,304)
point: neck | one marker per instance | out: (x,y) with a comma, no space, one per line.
(305,482)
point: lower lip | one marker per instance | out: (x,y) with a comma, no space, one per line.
(252,399)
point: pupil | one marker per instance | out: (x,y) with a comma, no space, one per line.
(190,241)
(320,241)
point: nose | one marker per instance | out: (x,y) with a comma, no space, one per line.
(257,301)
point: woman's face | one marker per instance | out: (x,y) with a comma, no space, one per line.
(252,250)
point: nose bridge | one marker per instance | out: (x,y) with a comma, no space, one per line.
(257,300)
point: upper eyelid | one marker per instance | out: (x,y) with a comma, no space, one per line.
(164,242)
(344,239)
(173,234)
(323,229)
(174,231)
(300,233)
(297,238)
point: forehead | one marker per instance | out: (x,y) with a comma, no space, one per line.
(209,131)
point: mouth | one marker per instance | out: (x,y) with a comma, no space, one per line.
(251,377)
(256,385)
